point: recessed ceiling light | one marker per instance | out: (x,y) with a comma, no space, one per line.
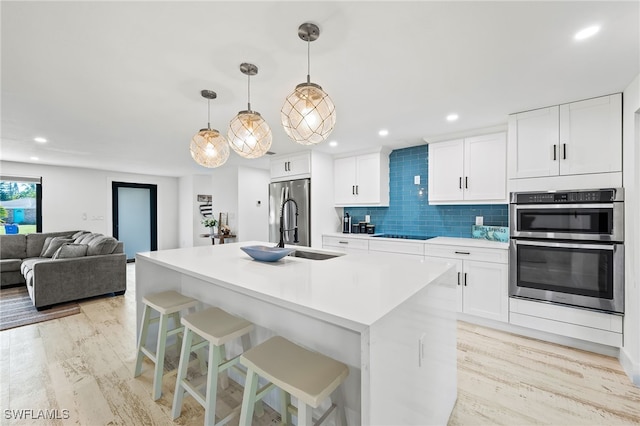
(383,132)
(40,140)
(586,32)
(452,117)
(34,158)
(333,143)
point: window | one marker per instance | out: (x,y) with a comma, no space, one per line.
(20,205)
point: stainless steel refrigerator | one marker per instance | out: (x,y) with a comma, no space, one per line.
(299,191)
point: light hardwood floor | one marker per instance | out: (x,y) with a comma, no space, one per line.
(84,363)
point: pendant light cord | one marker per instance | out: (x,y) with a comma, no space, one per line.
(308,59)
(209,114)
(249,91)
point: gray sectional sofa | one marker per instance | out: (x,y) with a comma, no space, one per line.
(59,267)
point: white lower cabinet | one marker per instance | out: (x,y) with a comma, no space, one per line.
(345,244)
(483,275)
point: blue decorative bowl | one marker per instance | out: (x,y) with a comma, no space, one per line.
(266,253)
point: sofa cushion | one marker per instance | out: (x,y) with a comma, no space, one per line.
(13,246)
(101,245)
(79,234)
(45,245)
(85,238)
(27,264)
(54,245)
(8,265)
(35,241)
(69,250)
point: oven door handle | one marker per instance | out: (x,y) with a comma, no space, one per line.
(611,247)
(565,206)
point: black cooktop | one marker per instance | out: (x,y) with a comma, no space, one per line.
(404,236)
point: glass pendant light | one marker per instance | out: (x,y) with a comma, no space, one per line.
(208,147)
(308,114)
(249,135)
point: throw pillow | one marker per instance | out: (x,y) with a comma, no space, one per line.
(47,241)
(102,245)
(78,234)
(54,245)
(84,238)
(69,250)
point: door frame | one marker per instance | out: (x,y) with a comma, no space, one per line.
(153,209)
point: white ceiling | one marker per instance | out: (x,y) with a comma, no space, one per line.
(116,85)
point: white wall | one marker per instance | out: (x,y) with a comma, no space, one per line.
(185,212)
(224,185)
(630,353)
(189,216)
(70,193)
(253,204)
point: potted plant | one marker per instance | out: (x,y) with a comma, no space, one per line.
(211,224)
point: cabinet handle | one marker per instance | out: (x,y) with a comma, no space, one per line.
(343,242)
(554,152)
(357,189)
(564,151)
(466,182)
(458,278)
(353,190)
(465,279)
(460,182)
(462,252)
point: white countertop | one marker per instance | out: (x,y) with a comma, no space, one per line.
(352,288)
(454,241)
(467,242)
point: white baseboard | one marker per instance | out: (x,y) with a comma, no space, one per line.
(542,335)
(630,367)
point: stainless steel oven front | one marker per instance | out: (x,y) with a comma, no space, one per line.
(594,215)
(582,274)
(568,247)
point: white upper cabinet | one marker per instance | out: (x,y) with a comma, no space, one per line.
(533,143)
(468,170)
(362,180)
(591,136)
(571,139)
(295,166)
(446,170)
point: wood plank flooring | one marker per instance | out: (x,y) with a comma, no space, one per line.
(84,364)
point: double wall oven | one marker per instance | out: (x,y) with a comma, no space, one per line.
(568,247)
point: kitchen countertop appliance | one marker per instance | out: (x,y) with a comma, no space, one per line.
(568,247)
(297,190)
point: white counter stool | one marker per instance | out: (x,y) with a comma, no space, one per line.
(167,304)
(217,327)
(309,376)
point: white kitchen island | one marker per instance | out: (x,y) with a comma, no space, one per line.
(391,320)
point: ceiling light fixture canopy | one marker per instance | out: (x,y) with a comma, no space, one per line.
(308,114)
(208,147)
(249,135)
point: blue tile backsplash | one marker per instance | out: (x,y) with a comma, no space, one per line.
(409,211)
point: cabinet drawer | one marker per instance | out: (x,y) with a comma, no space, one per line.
(351,243)
(396,247)
(468,253)
(566,314)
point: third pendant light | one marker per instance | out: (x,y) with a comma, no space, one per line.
(308,114)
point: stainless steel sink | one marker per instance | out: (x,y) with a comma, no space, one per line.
(313,255)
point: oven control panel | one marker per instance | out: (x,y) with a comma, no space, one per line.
(574,197)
